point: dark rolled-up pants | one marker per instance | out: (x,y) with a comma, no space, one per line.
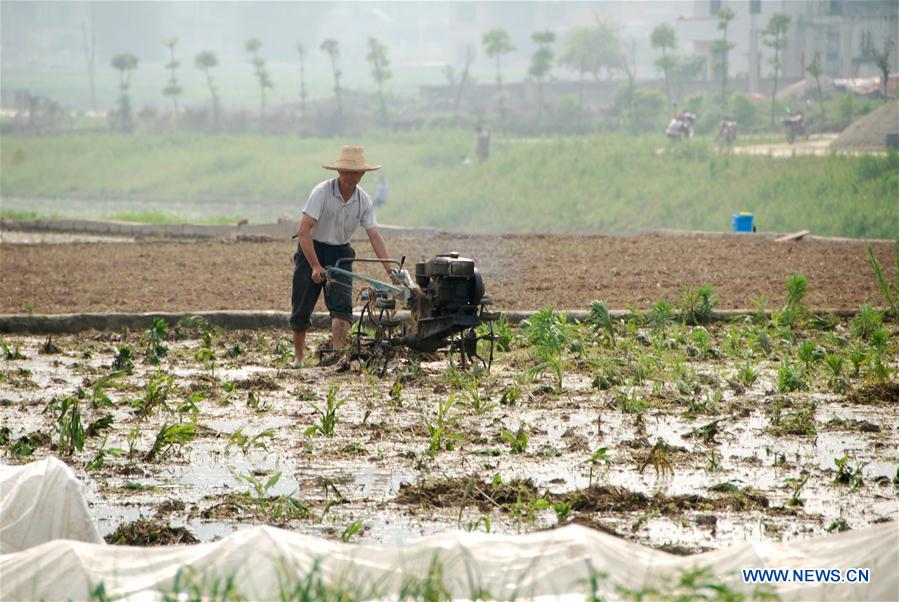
(304,296)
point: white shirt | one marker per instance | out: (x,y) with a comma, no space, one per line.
(336,220)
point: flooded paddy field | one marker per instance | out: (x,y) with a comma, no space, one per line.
(681,436)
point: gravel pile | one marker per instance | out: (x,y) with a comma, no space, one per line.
(869,132)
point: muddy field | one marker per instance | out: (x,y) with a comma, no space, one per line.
(682,437)
(520,272)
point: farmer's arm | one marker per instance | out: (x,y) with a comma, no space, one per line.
(380,248)
(304,234)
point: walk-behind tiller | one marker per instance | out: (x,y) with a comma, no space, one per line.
(446,304)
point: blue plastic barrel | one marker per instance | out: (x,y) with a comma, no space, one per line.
(741,222)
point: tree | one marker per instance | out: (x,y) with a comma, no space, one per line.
(722,49)
(302,53)
(663,38)
(775,37)
(377,58)
(497,43)
(125,64)
(331,47)
(172,89)
(253,45)
(205,61)
(90,46)
(541,63)
(579,55)
(687,68)
(463,80)
(882,60)
(592,49)
(814,69)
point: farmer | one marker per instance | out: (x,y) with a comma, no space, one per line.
(482,146)
(382,192)
(334,210)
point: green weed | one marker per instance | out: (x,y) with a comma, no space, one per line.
(800,422)
(124,359)
(629,402)
(98,396)
(790,378)
(562,510)
(518,441)
(794,311)
(550,333)
(23,447)
(168,437)
(660,316)
(890,293)
(276,508)
(746,375)
(797,485)
(132,438)
(100,457)
(351,530)
(327,417)
(441,435)
(155,395)
(509,395)
(191,584)
(246,442)
(71,431)
(846,474)
(809,353)
(866,322)
(283,352)
(600,456)
(11,354)
(256,402)
(698,305)
(154,348)
(601,321)
(477,401)
(99,425)
(834,364)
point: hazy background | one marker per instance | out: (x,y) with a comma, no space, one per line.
(43,43)
(572,151)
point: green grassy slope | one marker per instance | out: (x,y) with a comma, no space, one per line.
(593,184)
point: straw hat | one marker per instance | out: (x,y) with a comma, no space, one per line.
(351,159)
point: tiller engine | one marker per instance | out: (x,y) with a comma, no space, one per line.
(446,303)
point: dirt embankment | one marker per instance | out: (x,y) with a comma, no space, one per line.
(869,132)
(520,272)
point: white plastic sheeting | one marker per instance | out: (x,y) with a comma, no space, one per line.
(40,502)
(265,562)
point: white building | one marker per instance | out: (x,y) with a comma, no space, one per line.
(839,32)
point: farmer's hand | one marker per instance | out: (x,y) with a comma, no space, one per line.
(318,274)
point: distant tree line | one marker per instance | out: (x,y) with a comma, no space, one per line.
(594,52)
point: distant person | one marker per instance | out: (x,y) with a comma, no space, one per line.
(483,144)
(382,192)
(334,210)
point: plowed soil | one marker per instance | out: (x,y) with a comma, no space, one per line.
(521,272)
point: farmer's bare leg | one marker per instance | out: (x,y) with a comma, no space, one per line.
(299,345)
(339,331)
